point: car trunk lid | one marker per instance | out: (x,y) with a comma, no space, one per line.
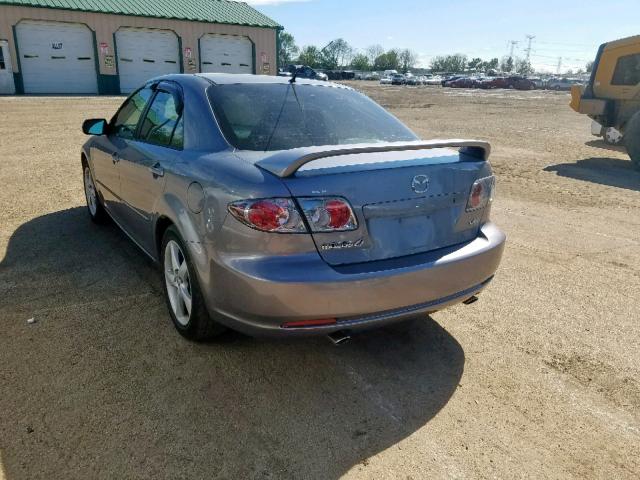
(406,200)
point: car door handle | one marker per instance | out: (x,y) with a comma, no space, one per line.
(157,170)
(115,158)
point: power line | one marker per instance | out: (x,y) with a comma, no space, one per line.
(592,45)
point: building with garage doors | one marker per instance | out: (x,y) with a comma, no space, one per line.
(114,46)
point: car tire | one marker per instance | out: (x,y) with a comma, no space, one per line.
(182,291)
(95,208)
(632,140)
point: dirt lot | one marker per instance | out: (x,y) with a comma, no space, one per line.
(540,379)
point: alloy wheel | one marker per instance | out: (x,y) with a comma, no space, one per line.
(176,275)
(90,192)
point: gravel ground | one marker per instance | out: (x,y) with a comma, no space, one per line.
(540,379)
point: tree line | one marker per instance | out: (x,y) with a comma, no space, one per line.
(459,63)
(339,54)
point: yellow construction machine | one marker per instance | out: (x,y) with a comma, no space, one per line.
(612,96)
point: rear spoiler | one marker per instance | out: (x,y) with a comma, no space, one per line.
(286,163)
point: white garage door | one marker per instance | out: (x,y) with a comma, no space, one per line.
(144,54)
(226,54)
(56,57)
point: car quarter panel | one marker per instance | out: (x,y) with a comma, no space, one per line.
(224,178)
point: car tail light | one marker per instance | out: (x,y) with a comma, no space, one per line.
(269,215)
(481,193)
(328,214)
(281,215)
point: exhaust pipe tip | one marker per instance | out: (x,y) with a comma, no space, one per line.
(471,300)
(339,338)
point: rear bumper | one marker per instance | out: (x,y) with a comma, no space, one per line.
(256,296)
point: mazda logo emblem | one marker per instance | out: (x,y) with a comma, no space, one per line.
(420,183)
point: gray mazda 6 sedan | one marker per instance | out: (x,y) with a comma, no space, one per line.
(283,206)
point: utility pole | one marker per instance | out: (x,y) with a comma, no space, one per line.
(559,65)
(528,50)
(513,46)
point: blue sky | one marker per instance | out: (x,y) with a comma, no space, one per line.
(571,29)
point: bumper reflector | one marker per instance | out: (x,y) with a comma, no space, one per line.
(310,323)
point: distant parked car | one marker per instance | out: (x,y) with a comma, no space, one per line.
(485,83)
(447,81)
(466,82)
(302,71)
(562,83)
(414,80)
(398,79)
(496,82)
(521,83)
(538,82)
(434,80)
(385,81)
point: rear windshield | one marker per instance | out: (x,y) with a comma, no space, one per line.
(283,116)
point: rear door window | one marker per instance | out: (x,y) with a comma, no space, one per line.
(627,72)
(162,123)
(126,120)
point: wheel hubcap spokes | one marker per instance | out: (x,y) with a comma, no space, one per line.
(176,276)
(90,192)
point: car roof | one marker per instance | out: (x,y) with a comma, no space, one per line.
(240,78)
(246,78)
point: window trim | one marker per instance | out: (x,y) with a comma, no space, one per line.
(173,89)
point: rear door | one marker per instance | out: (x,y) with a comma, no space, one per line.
(157,145)
(406,202)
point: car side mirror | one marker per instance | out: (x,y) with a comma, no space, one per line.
(94,126)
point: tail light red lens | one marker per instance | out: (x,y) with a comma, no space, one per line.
(328,214)
(282,215)
(481,193)
(269,215)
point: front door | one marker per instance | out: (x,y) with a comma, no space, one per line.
(142,165)
(109,150)
(7,86)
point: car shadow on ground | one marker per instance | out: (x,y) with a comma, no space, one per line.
(102,386)
(614,172)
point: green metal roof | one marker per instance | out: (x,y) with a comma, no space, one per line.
(210,11)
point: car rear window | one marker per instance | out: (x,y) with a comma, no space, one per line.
(283,116)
